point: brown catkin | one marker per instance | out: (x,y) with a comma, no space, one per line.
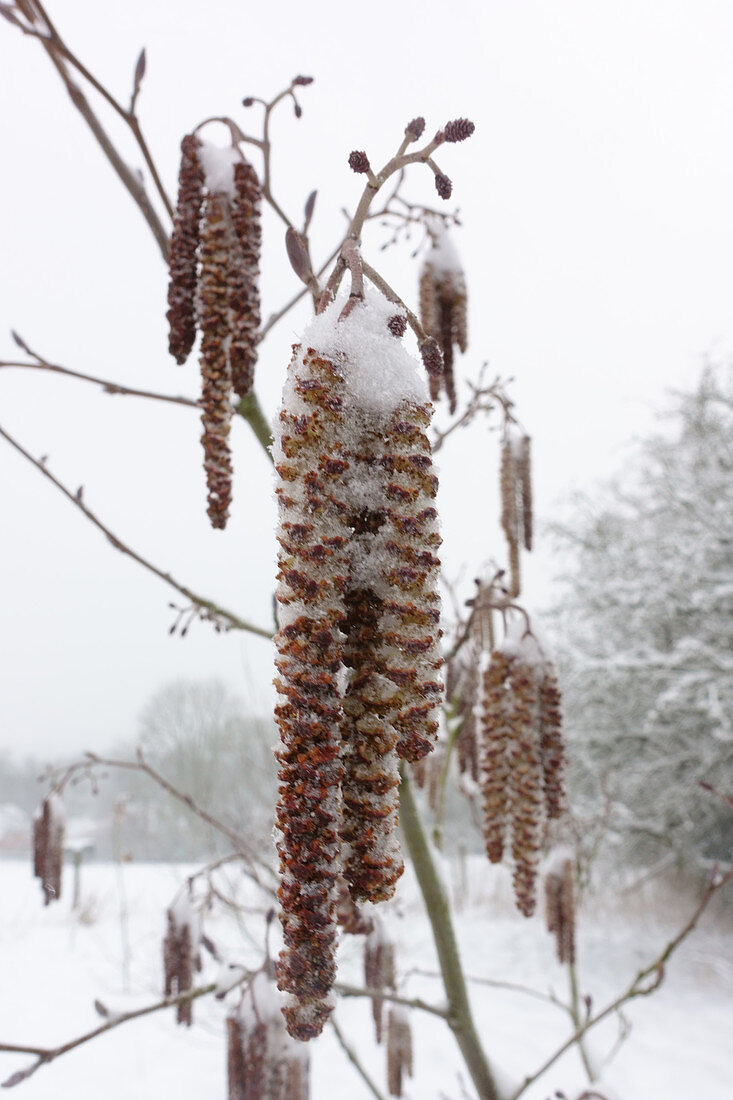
(560,908)
(312,577)
(524,782)
(178,964)
(371,779)
(444,315)
(496,731)
(524,476)
(216,243)
(399,1049)
(509,512)
(552,748)
(48,847)
(244,278)
(410,623)
(263,1063)
(183,247)
(379,971)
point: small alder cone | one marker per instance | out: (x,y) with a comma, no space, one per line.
(516,499)
(517,757)
(443,309)
(311,463)
(180,955)
(263,1062)
(379,970)
(560,904)
(49,825)
(183,252)
(399,1049)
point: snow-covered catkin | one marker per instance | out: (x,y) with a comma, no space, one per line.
(524,782)
(552,748)
(216,243)
(496,730)
(371,779)
(399,1049)
(263,1062)
(379,970)
(313,532)
(560,908)
(244,277)
(183,248)
(443,314)
(48,847)
(178,964)
(411,613)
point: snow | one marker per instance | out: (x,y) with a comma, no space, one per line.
(55,965)
(443,255)
(217,162)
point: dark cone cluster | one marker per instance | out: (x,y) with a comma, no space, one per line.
(560,907)
(399,1049)
(443,314)
(516,500)
(48,846)
(214,272)
(263,1063)
(518,764)
(379,971)
(358,659)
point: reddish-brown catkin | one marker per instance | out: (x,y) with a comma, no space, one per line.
(411,621)
(524,781)
(313,572)
(216,244)
(178,964)
(399,1049)
(183,259)
(509,513)
(560,907)
(494,709)
(552,748)
(524,476)
(379,970)
(263,1063)
(244,265)
(444,311)
(48,846)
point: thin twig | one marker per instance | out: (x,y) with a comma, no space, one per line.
(646,981)
(45,1055)
(107,386)
(209,610)
(347,990)
(354,1059)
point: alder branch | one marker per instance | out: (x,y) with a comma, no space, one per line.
(107,386)
(63,776)
(483,399)
(496,983)
(46,1055)
(646,981)
(207,609)
(347,990)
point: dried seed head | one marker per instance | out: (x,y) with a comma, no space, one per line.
(49,824)
(459,129)
(183,258)
(560,904)
(397,325)
(399,1048)
(443,185)
(359,161)
(379,970)
(302,81)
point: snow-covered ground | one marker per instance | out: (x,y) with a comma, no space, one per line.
(53,965)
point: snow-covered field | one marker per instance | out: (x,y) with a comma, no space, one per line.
(54,965)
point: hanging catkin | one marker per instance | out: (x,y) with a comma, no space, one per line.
(183,252)
(443,309)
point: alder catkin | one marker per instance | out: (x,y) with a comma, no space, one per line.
(48,846)
(244,278)
(379,971)
(560,905)
(399,1049)
(183,252)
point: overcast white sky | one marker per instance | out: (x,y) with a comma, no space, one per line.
(597,240)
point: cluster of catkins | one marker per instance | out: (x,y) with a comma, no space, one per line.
(358,649)
(516,498)
(263,1062)
(521,756)
(214,268)
(443,305)
(48,846)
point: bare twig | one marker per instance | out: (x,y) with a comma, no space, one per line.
(107,386)
(347,990)
(644,983)
(45,1055)
(354,1059)
(496,983)
(224,619)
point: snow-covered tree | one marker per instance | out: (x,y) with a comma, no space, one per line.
(648,619)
